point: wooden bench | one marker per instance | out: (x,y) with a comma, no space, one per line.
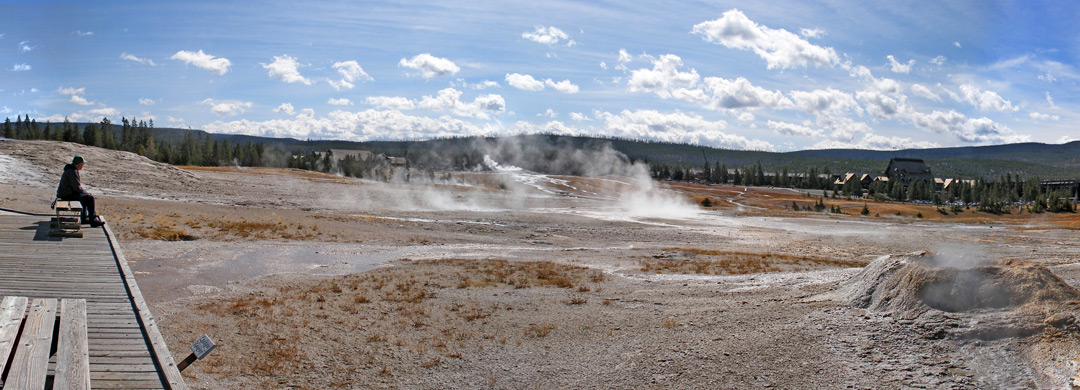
(29,351)
(67,222)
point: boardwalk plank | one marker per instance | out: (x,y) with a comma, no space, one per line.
(73,354)
(121,353)
(31,362)
(11,315)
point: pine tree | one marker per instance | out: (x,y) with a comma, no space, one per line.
(9,130)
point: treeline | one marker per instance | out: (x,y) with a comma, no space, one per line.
(754,175)
(999,196)
(137,137)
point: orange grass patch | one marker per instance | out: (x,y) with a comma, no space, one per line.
(737,263)
(363,321)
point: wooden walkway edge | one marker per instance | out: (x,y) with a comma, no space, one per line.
(162,357)
(124,345)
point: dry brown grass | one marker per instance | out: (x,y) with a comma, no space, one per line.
(539,331)
(162,228)
(362,324)
(777,202)
(520,274)
(576,301)
(165,234)
(736,263)
(132,220)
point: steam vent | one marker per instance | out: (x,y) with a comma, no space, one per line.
(1007,298)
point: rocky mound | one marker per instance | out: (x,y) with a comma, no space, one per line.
(40,163)
(1007,298)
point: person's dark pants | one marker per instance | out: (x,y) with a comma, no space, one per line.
(87,202)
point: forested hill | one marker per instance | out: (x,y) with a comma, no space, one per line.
(1027,159)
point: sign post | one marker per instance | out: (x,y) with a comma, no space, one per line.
(202,347)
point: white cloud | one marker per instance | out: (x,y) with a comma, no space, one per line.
(1052,71)
(548,36)
(104,111)
(81,100)
(957,44)
(391,103)
(603,65)
(985,100)
(939,60)
(923,91)
(882,98)
(285,68)
(1043,117)
(429,66)
(75,94)
(980,130)
(480,85)
(524,82)
(898,67)
(842,128)
(951,94)
(667,81)
(199,59)
(564,86)
(339,102)
(739,93)
(350,73)
(820,100)
(226,107)
(549,113)
(811,33)
(25,46)
(577,116)
(449,99)
(71,91)
(130,57)
(674,127)
(778,47)
(879,104)
(147,101)
(784,128)
(286,108)
(624,56)
(21,68)
(306,113)
(364,125)
(1066,139)
(664,79)
(82,33)
(1050,100)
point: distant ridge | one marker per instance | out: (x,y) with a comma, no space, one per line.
(1048,161)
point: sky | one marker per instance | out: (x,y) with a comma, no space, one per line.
(775,75)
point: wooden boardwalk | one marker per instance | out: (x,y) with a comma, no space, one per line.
(126,348)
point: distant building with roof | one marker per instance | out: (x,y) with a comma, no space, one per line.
(906,170)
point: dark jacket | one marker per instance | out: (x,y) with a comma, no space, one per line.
(70,182)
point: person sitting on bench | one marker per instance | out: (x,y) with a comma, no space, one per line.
(70,188)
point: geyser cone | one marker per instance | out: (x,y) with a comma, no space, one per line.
(912,285)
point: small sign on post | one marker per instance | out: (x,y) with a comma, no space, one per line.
(199,350)
(202,347)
